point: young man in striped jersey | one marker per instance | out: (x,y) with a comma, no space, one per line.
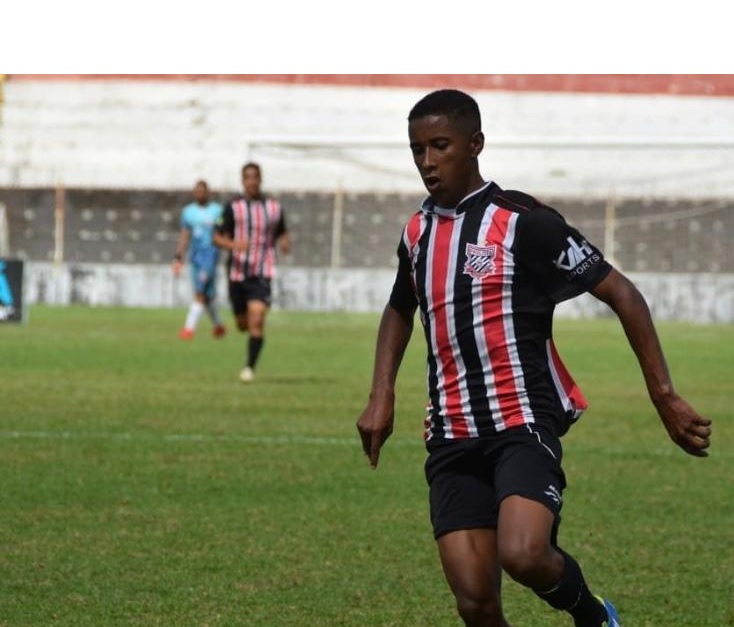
(250,228)
(486,267)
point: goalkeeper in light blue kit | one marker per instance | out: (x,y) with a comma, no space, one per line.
(197,227)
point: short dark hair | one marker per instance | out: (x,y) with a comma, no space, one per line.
(454,104)
(252,164)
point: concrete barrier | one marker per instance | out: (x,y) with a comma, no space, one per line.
(699,298)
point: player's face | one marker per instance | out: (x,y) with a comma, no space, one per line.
(251,182)
(445,154)
(201,194)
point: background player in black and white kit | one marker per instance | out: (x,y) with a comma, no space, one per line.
(250,228)
(485,267)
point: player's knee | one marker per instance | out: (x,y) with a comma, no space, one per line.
(242,325)
(523,558)
(480,610)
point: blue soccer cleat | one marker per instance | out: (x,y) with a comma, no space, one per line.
(612,616)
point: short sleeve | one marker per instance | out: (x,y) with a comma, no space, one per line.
(561,259)
(403,297)
(225,223)
(280,227)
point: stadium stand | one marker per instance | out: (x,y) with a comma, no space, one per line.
(108,226)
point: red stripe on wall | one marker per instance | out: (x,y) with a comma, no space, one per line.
(671,84)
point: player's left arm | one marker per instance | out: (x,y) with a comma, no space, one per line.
(686,427)
(284,243)
(282,237)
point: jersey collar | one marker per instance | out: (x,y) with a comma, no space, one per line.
(466,203)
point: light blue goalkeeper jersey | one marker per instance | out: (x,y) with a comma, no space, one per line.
(200,222)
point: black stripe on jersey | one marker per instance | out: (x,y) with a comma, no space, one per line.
(542,396)
(466,341)
(266,236)
(246,256)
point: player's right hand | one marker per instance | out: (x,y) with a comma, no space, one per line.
(176,267)
(240,245)
(375,426)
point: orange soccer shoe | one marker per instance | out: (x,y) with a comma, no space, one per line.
(186,334)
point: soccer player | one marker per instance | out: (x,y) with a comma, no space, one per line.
(198,219)
(250,228)
(486,267)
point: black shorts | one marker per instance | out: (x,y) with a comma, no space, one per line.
(252,288)
(468,478)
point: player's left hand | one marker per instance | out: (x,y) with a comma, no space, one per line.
(685,426)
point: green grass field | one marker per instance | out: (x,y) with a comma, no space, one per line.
(142,484)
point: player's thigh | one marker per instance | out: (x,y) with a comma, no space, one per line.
(201,278)
(461,489)
(529,481)
(471,564)
(238,297)
(238,300)
(256,312)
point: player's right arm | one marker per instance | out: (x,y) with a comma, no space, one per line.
(184,237)
(223,236)
(375,424)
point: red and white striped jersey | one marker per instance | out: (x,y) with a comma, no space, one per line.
(486,277)
(261,222)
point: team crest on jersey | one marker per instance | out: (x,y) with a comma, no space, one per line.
(480,261)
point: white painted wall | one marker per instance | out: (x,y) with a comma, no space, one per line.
(700,298)
(164,135)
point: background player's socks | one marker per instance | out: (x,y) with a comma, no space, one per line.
(192,319)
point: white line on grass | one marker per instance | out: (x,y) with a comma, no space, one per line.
(196,437)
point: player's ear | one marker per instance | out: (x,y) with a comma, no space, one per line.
(476,143)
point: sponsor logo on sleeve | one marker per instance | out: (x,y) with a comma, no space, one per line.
(577,258)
